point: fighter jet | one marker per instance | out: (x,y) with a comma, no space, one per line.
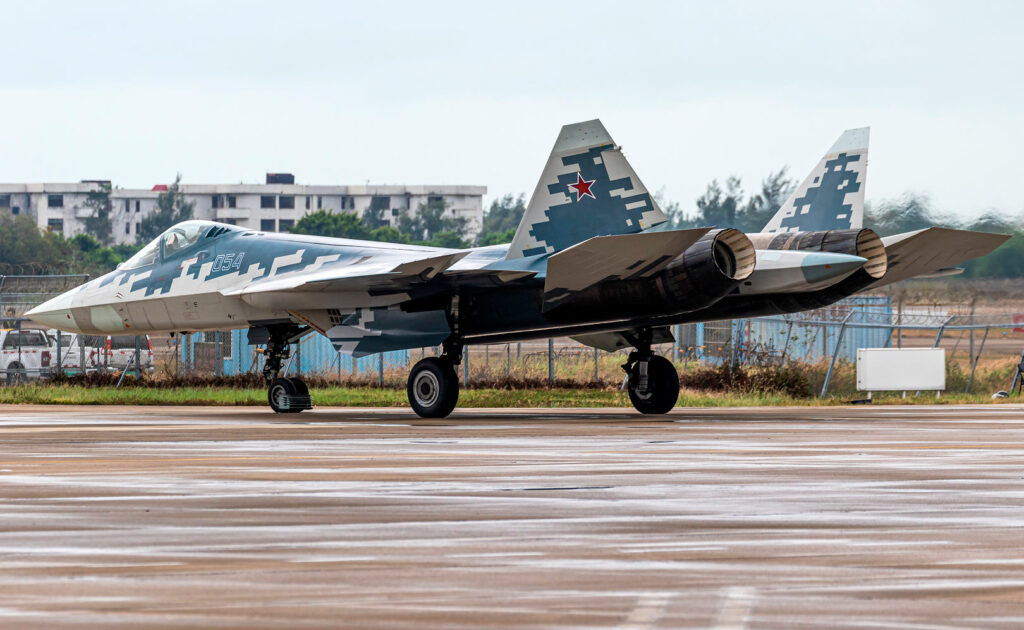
(593,258)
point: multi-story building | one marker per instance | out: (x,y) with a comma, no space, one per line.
(273,206)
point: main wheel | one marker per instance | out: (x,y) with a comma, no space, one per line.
(433,388)
(662,386)
(282,394)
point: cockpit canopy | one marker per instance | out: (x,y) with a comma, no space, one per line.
(176,239)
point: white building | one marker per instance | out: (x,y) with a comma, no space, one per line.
(266,207)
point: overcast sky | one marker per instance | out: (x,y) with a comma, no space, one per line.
(474,93)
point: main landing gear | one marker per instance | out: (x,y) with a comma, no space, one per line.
(285,395)
(652,380)
(433,386)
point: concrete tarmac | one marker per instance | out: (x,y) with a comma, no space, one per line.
(884,517)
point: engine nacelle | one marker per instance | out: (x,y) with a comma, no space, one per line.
(700,276)
(864,243)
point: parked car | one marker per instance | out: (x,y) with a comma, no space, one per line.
(74,361)
(25,355)
(115,353)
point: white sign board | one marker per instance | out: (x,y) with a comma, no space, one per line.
(910,369)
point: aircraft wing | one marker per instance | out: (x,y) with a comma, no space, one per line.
(933,250)
(623,256)
(376,272)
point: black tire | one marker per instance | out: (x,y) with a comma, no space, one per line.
(662,387)
(280,388)
(16,374)
(433,388)
(300,390)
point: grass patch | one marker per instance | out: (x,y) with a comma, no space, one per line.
(468,398)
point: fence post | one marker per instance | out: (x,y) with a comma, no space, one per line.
(138,357)
(785,346)
(81,353)
(835,353)
(218,368)
(60,359)
(508,360)
(942,329)
(595,364)
(465,365)
(551,361)
(380,369)
(975,359)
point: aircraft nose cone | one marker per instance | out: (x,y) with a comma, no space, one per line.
(818,267)
(55,313)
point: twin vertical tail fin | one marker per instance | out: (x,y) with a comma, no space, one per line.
(587,189)
(832,196)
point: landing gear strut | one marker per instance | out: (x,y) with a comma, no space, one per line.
(433,386)
(285,395)
(652,380)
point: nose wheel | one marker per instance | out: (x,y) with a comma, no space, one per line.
(433,387)
(285,395)
(289,395)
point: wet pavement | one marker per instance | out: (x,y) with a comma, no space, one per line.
(905,517)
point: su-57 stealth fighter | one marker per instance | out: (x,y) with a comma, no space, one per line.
(593,258)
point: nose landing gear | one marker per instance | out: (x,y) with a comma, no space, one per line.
(285,395)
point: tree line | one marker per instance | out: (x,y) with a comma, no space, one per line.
(723,204)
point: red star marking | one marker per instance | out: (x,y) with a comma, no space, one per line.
(582,187)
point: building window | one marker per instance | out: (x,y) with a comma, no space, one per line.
(267,225)
(394,212)
(55,225)
(319,203)
(231,201)
(380,203)
(285,225)
(307,202)
(127,205)
(127,227)
(5,201)
(435,200)
(286,203)
(230,221)
(215,201)
(55,201)
(138,205)
(268,201)
(15,210)
(348,202)
(138,226)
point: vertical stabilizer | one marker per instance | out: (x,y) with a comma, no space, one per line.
(832,196)
(587,189)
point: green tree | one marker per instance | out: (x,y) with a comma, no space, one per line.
(387,234)
(334,224)
(374,215)
(497,238)
(910,212)
(97,224)
(502,217)
(430,220)
(718,206)
(171,208)
(762,206)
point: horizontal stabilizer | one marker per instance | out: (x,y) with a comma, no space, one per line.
(624,256)
(929,251)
